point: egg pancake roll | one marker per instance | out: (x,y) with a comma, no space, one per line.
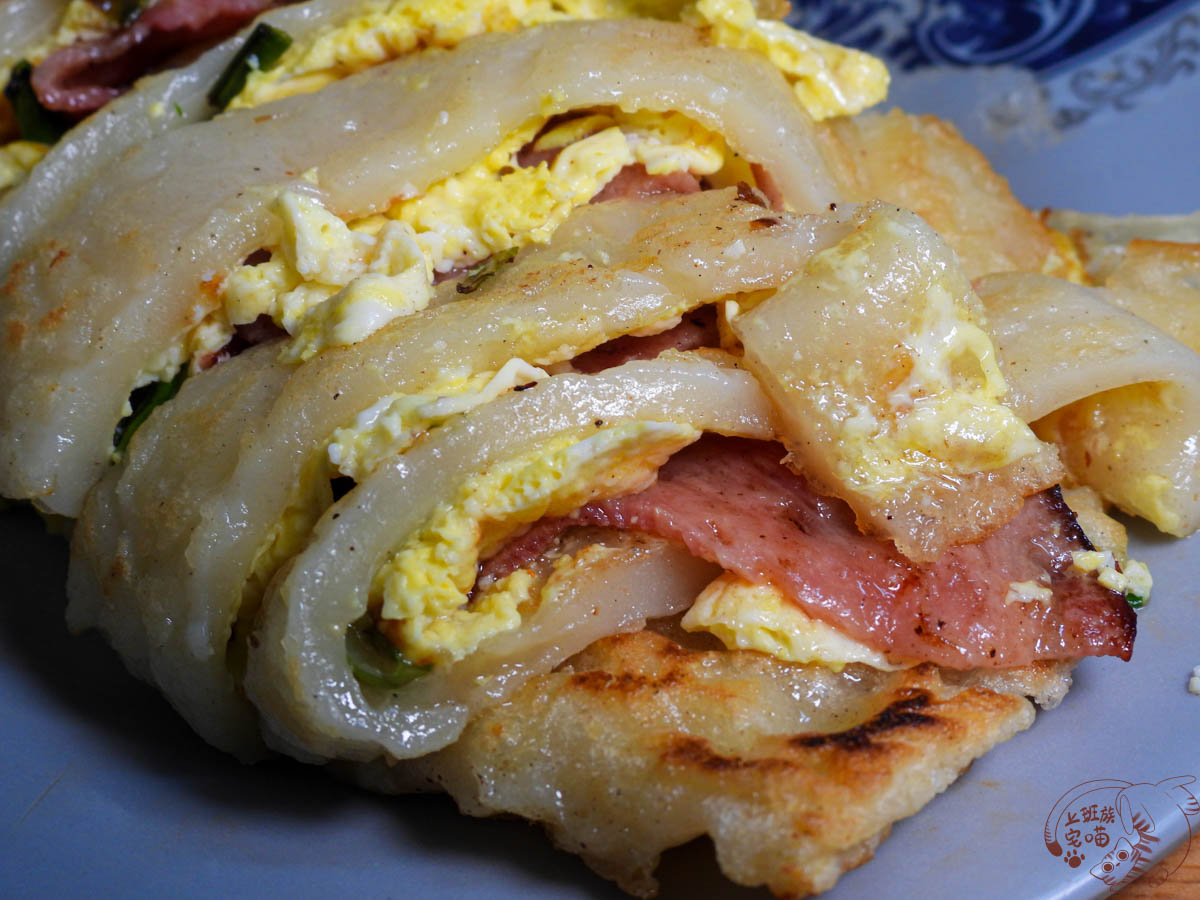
(611,269)
(79,332)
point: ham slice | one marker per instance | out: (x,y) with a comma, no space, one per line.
(697,329)
(635,181)
(732,502)
(82,77)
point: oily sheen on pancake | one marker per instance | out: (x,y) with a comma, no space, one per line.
(639,744)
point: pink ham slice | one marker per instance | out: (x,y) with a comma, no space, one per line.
(697,329)
(635,181)
(84,76)
(732,502)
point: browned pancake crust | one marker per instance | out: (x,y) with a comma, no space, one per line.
(638,745)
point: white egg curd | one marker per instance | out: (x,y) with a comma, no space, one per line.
(422,590)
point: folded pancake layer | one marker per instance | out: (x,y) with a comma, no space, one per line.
(1119,397)
(299,675)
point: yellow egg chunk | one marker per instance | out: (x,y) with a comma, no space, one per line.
(328,284)
(391,425)
(496,205)
(1126,577)
(829,80)
(423,587)
(17,160)
(745,616)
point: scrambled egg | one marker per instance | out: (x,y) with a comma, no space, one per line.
(330,284)
(497,205)
(423,588)
(17,160)
(747,616)
(391,425)
(1115,426)
(208,335)
(829,80)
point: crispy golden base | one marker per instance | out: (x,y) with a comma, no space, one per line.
(797,773)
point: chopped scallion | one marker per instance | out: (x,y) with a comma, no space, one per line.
(144,402)
(36,123)
(1135,601)
(375,660)
(262,50)
(480,273)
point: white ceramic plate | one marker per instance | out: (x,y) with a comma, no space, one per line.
(104,792)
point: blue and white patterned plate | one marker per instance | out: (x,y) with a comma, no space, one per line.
(104,792)
(1088,105)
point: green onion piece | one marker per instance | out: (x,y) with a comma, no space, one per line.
(155,395)
(477,275)
(123,12)
(35,122)
(375,660)
(1135,601)
(261,51)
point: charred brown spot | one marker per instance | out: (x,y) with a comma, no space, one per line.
(59,257)
(118,571)
(623,683)
(212,286)
(901,713)
(698,753)
(1072,530)
(14,333)
(54,318)
(764,222)
(749,194)
(13,280)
